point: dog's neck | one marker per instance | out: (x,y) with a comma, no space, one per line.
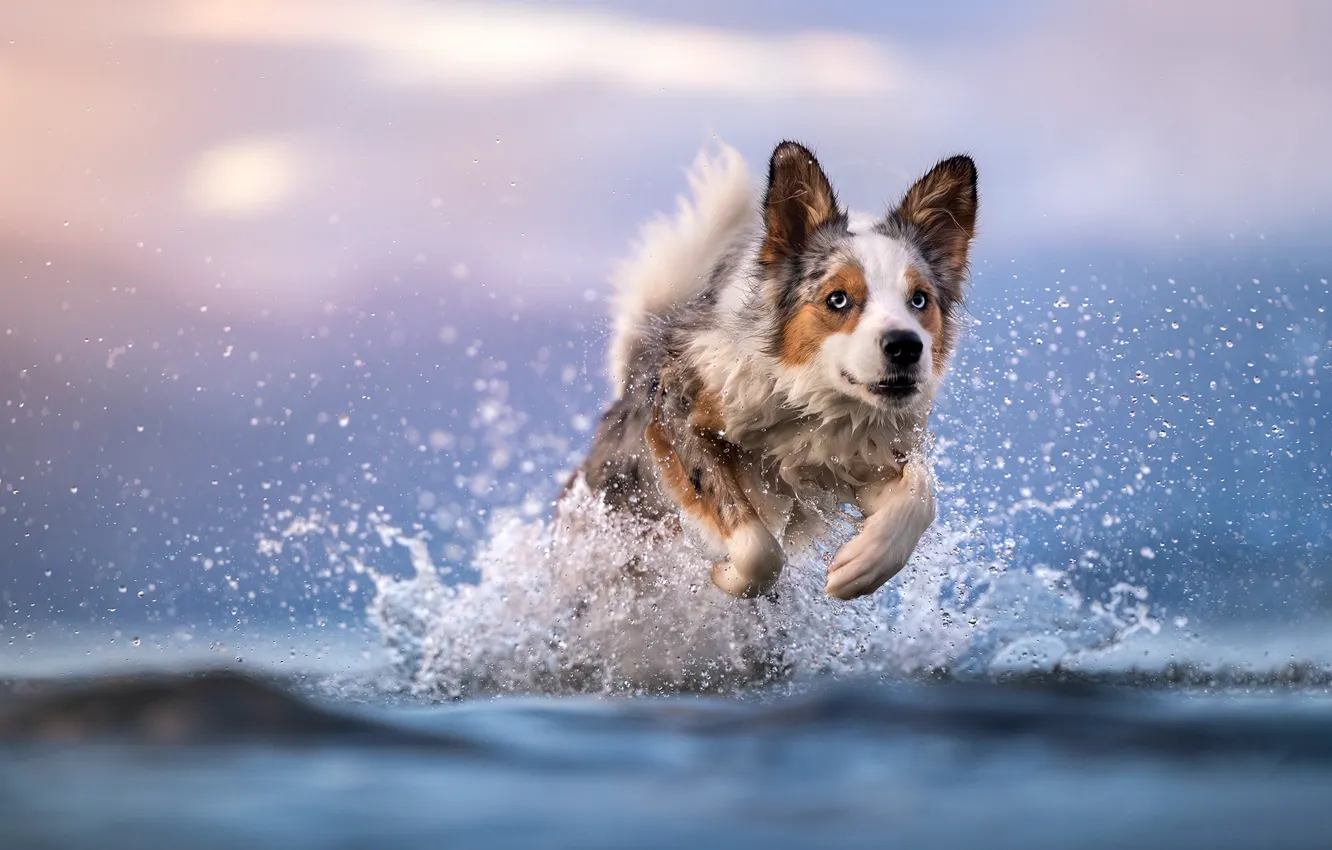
(805,431)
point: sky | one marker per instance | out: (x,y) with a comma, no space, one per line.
(260,155)
(232,235)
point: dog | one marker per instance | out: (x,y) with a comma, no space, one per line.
(778,354)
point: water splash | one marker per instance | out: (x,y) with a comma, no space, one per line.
(615,606)
(618,606)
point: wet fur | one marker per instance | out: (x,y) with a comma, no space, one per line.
(745,403)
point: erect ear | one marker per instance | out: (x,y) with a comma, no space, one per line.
(799,200)
(939,213)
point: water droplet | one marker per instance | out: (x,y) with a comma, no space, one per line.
(135,641)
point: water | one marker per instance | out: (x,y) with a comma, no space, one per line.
(568,696)
(1087,762)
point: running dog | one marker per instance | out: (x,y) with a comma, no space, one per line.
(774,354)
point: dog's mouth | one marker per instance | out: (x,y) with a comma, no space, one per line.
(895,388)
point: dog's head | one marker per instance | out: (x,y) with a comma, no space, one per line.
(867,310)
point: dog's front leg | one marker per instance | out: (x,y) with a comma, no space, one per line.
(708,479)
(898,511)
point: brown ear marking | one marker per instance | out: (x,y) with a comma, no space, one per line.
(941,209)
(799,200)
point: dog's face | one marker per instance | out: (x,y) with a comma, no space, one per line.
(866,309)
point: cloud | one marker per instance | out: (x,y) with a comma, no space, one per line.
(1139,120)
(267,156)
(243,177)
(272,156)
(477,47)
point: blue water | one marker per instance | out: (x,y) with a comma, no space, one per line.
(1105,761)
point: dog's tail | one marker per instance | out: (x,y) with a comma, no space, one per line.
(673,256)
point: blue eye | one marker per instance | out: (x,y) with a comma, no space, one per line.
(919,301)
(838,301)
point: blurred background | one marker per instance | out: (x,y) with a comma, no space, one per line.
(348,257)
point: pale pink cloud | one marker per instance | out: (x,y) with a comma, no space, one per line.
(258,156)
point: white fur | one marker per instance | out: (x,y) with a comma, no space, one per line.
(673,255)
(900,511)
(797,417)
(885,262)
(753,564)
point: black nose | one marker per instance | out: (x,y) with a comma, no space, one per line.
(902,348)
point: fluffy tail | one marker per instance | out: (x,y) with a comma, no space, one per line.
(670,263)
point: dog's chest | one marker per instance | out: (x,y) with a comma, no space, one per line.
(814,439)
(813,454)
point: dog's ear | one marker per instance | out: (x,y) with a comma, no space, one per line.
(799,200)
(939,214)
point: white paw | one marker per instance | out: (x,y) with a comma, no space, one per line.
(864,564)
(753,565)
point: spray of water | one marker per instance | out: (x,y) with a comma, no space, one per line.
(613,605)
